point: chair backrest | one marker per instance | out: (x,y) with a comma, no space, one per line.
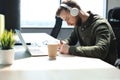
(114,17)
(57,27)
(114,13)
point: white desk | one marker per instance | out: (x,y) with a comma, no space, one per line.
(65,67)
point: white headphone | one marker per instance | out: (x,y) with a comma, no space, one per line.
(73,11)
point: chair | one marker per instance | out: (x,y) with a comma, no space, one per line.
(57,27)
(114,17)
(114,20)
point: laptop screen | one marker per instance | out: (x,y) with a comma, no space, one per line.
(18,32)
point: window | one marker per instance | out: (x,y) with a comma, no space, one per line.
(41,13)
(38,13)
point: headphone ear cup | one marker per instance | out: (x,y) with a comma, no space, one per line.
(74,11)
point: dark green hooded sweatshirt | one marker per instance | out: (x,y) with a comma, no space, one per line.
(96,39)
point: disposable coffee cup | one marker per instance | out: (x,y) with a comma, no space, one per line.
(52,50)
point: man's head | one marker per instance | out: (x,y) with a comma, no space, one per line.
(69,12)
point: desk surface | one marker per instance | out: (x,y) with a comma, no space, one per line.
(65,67)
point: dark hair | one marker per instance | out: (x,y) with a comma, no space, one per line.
(69,3)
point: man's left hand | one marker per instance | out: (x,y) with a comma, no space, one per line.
(65,49)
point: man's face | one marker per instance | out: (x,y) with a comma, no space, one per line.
(66,16)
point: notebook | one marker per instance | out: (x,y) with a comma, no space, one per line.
(34,50)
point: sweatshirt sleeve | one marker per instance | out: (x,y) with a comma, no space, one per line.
(73,39)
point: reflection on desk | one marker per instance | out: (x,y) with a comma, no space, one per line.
(65,67)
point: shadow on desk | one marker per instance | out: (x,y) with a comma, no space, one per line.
(20,53)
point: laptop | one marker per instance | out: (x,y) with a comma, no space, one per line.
(34,50)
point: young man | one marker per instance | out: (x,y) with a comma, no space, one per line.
(94,34)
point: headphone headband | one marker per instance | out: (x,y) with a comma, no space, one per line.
(65,6)
(73,11)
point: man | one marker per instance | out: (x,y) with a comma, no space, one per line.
(94,34)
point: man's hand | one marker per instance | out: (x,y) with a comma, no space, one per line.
(64,48)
